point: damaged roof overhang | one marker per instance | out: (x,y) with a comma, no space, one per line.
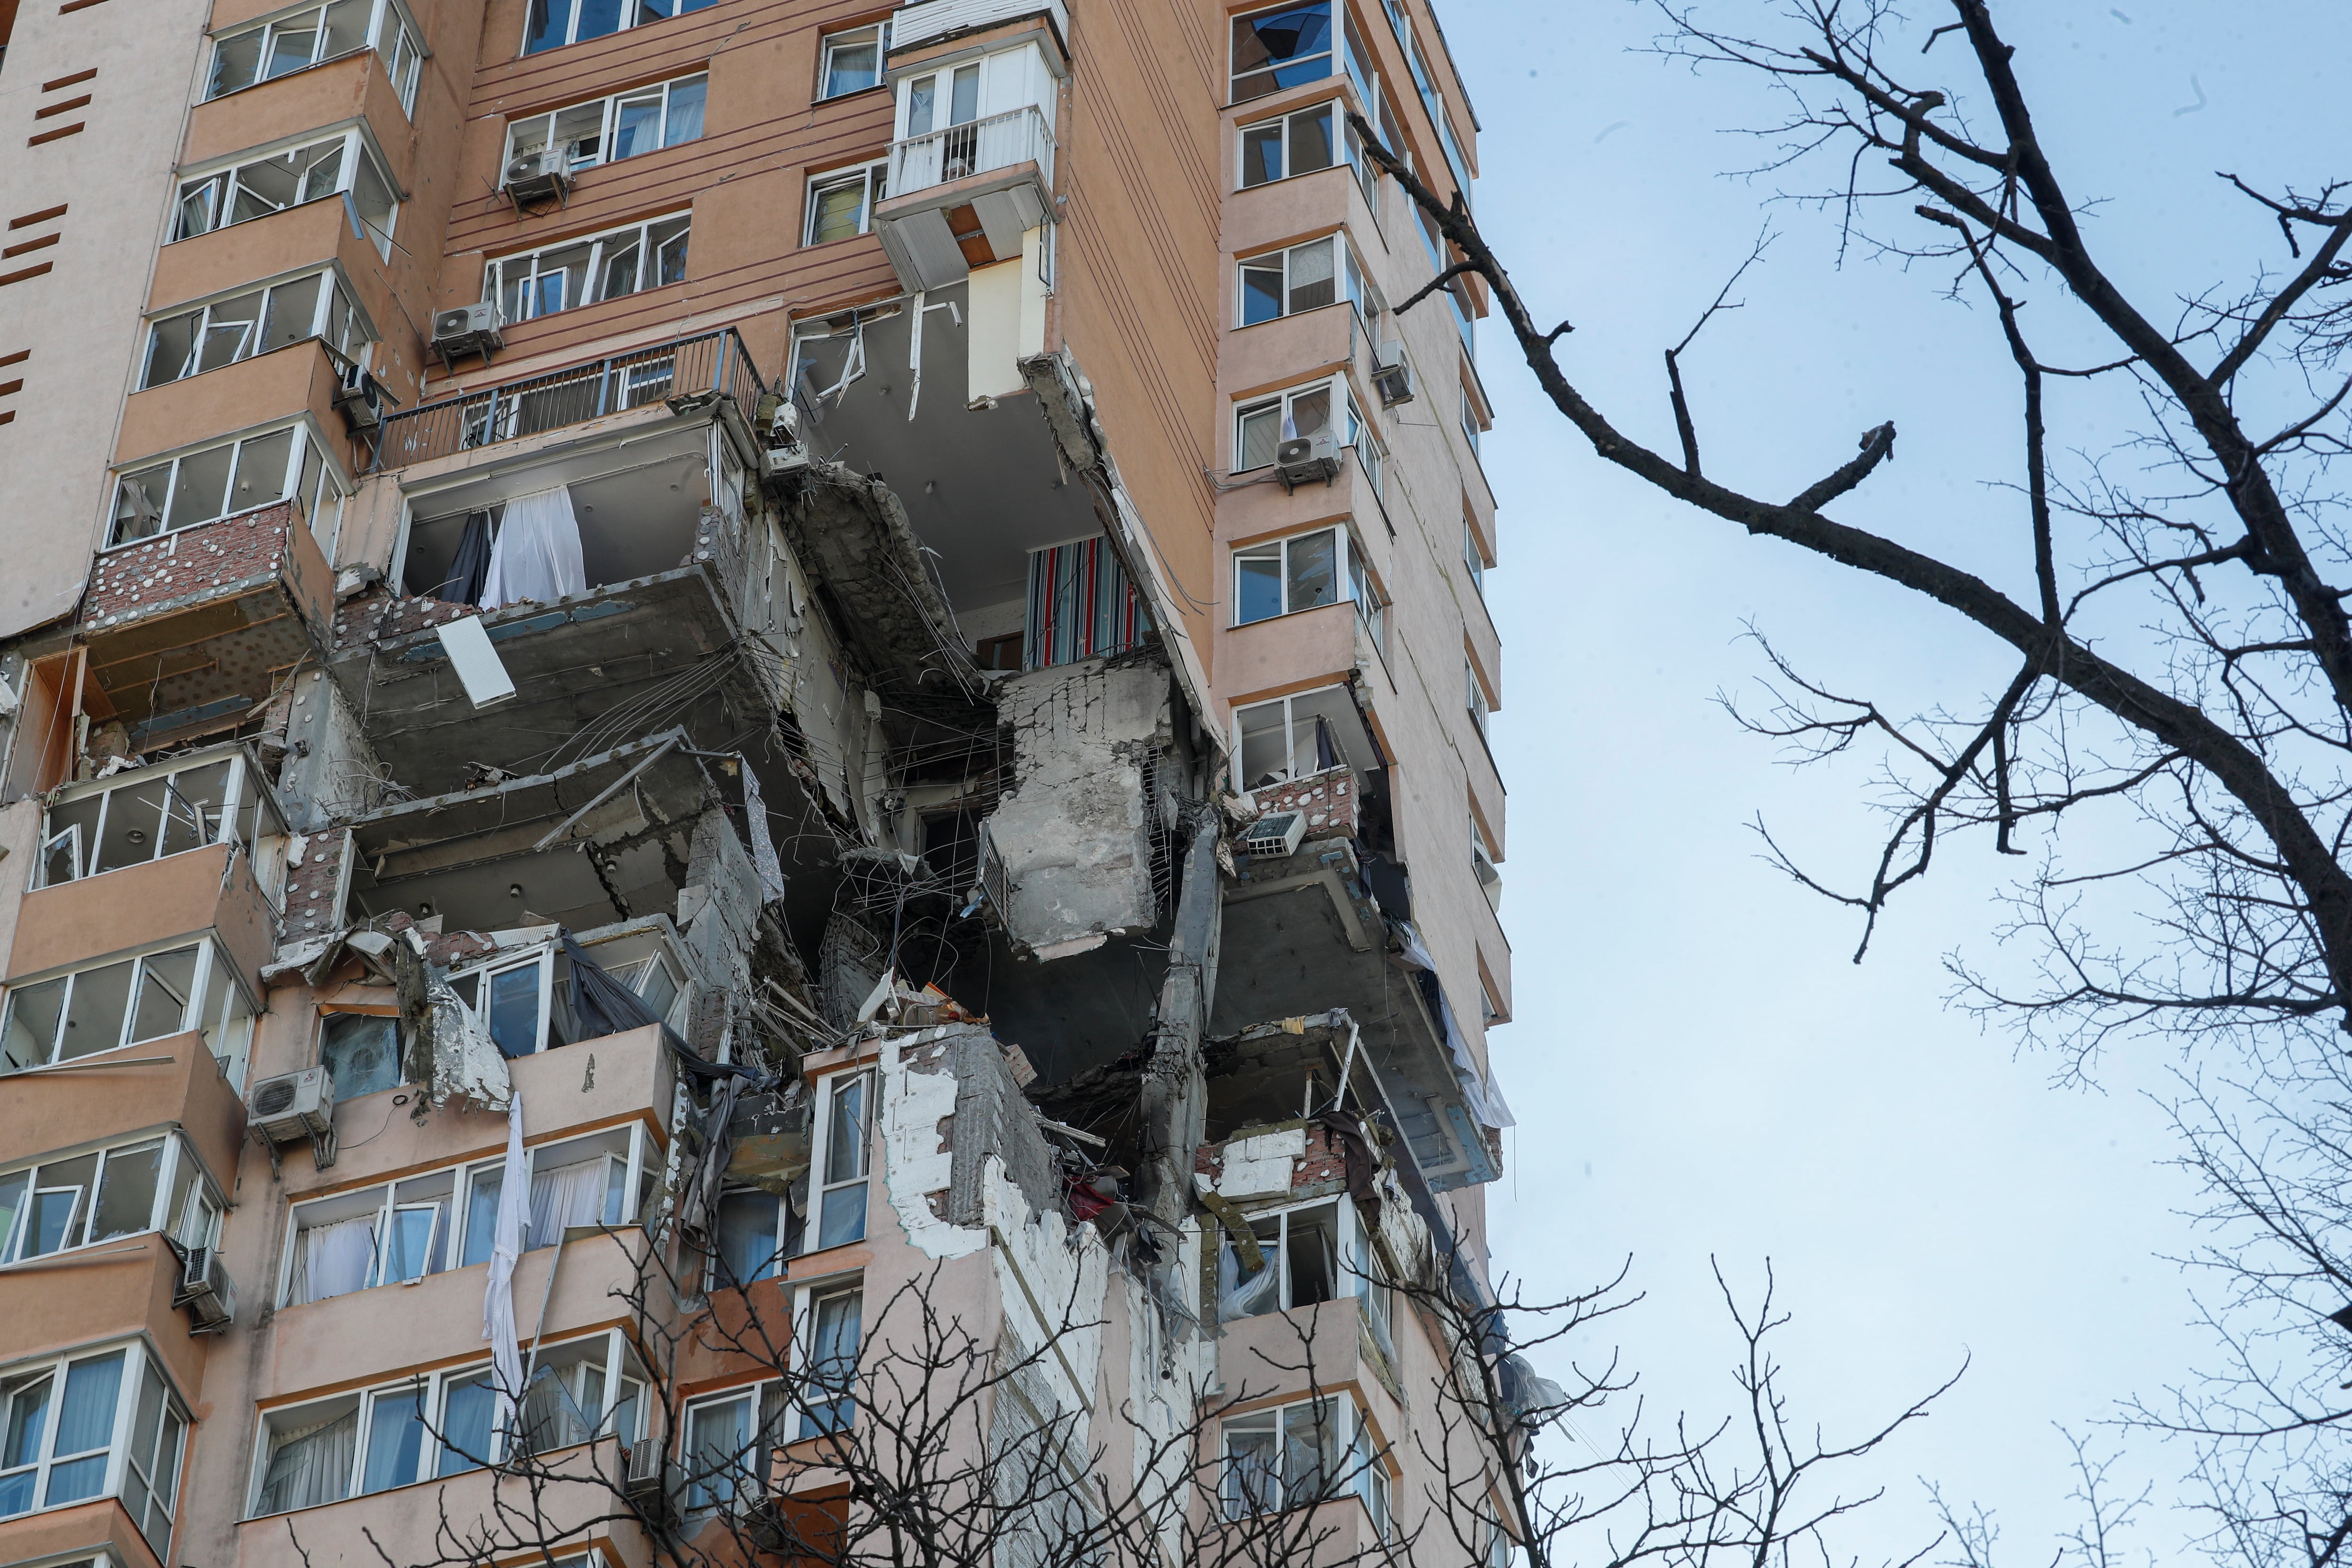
(572,664)
(1318,941)
(1257,1077)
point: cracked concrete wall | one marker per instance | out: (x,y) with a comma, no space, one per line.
(718,908)
(331,772)
(1073,831)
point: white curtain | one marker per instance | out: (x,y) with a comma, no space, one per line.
(537,556)
(1239,1297)
(334,1259)
(498,1301)
(565,1194)
(311,1465)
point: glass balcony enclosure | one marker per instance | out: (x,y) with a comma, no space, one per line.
(211,796)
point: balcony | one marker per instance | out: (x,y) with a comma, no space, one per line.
(159,1083)
(187,631)
(963,196)
(715,363)
(115,1290)
(915,26)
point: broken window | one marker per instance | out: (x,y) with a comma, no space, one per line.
(115,1004)
(842,1158)
(152,812)
(1301,573)
(513,998)
(234,477)
(1262,425)
(752,1237)
(151,1183)
(1303,278)
(339,165)
(588,271)
(1080,605)
(315,34)
(852,61)
(1292,737)
(606,130)
(226,331)
(840,205)
(1282,48)
(1296,143)
(552,24)
(360,1052)
(1482,864)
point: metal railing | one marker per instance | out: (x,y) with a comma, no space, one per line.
(977,147)
(712,362)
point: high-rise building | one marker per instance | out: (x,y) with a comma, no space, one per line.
(712,711)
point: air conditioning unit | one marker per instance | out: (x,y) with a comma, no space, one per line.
(535,176)
(1303,459)
(360,398)
(653,1482)
(1391,375)
(1274,834)
(468,329)
(293,1106)
(206,1291)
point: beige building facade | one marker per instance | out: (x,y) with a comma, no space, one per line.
(712,711)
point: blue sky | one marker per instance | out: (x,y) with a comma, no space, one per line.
(1697,1067)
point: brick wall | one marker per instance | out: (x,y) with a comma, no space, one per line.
(378,613)
(188,564)
(1328,798)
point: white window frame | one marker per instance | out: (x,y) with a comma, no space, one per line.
(633,14)
(1330,53)
(138,1365)
(485,971)
(763,1399)
(1474,555)
(357,145)
(320,487)
(215,980)
(1356,1463)
(808,1299)
(821,1157)
(608,123)
(358,337)
(1293,768)
(1470,426)
(1352,577)
(1344,416)
(1346,279)
(632,1171)
(244,792)
(1475,697)
(1346,149)
(1355,1246)
(196,1225)
(873,177)
(391,32)
(525,265)
(877,34)
(1483,867)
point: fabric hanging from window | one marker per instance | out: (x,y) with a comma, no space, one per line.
(334,1259)
(311,1465)
(763,847)
(1244,1298)
(470,567)
(506,1249)
(565,1195)
(537,556)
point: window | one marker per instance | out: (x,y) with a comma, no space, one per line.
(841,206)
(339,165)
(360,1052)
(104,1195)
(607,130)
(63,1423)
(1262,426)
(1477,697)
(1282,48)
(1490,879)
(318,33)
(756,1233)
(442,1423)
(1300,1455)
(842,1157)
(832,1328)
(587,271)
(1296,143)
(112,1006)
(1080,605)
(1473,557)
(1294,737)
(227,331)
(1300,572)
(511,998)
(1470,420)
(210,798)
(555,23)
(1303,278)
(727,1439)
(852,61)
(447,1219)
(1299,1252)
(236,476)
(941,102)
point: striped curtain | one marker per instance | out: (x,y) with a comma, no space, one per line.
(1081,605)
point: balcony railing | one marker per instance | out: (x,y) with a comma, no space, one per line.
(978,147)
(714,362)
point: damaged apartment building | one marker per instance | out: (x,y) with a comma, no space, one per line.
(672,671)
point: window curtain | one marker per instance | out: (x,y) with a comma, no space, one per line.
(471,565)
(311,1465)
(1244,1297)
(85,1422)
(334,1259)
(567,1195)
(537,556)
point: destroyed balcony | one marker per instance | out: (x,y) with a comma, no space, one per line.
(677,373)
(188,632)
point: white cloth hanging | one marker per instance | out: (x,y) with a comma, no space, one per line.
(335,1258)
(537,556)
(506,1249)
(564,1195)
